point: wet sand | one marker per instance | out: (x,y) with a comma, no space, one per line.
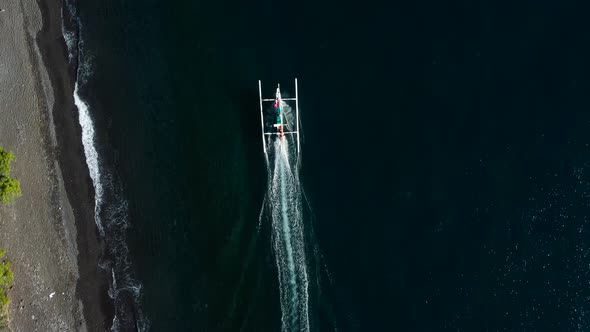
(49,233)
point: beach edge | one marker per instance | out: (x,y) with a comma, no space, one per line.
(92,285)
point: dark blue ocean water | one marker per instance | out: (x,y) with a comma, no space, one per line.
(445,158)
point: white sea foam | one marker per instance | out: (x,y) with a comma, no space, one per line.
(70,39)
(88,138)
(285,205)
(69,36)
(110,215)
(114,215)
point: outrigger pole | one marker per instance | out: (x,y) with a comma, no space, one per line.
(261,116)
(297,113)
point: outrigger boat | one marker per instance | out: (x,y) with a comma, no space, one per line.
(280,126)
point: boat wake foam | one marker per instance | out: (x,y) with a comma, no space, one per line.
(284,202)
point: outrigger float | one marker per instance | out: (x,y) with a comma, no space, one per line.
(281,127)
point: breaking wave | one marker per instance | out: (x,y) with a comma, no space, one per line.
(111,206)
(90,153)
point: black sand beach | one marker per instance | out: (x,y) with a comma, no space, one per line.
(92,285)
(54,220)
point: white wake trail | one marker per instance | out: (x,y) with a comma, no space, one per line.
(285,204)
(282,160)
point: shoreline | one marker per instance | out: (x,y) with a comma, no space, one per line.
(49,233)
(92,286)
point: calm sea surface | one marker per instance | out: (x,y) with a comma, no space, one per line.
(444,158)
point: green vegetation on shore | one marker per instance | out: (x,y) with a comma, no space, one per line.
(6,280)
(9,187)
